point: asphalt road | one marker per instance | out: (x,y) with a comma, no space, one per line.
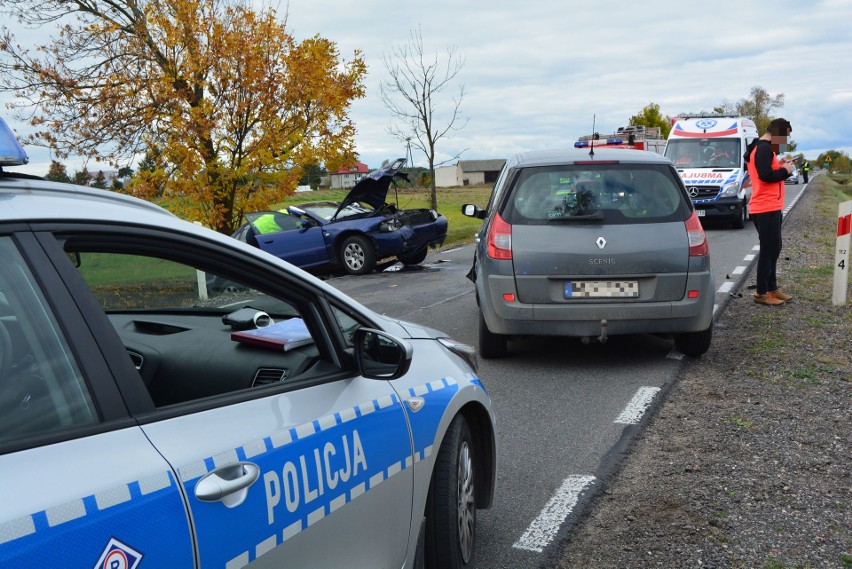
(565,410)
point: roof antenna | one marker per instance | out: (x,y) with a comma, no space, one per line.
(594,137)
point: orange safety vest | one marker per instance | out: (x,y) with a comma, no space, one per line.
(765,196)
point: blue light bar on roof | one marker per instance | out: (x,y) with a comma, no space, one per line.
(11,152)
(581,144)
(614,141)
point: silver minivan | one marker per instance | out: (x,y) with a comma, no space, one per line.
(591,244)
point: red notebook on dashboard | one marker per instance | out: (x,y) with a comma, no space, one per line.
(284,335)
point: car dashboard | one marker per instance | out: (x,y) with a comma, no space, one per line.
(183,357)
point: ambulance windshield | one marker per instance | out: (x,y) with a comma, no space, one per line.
(704,152)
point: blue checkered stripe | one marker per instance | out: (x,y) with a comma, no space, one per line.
(424,424)
(78,530)
(375,421)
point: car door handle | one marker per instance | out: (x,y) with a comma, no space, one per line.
(228,484)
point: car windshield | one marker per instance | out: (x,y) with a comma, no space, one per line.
(704,152)
(608,193)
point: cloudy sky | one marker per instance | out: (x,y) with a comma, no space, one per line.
(537,73)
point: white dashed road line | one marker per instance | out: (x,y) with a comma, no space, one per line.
(544,528)
(637,406)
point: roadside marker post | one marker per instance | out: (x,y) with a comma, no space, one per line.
(841,254)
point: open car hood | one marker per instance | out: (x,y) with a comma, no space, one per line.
(372,189)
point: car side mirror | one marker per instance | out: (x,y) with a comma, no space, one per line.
(381,356)
(471,210)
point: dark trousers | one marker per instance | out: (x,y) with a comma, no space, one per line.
(805,176)
(768,227)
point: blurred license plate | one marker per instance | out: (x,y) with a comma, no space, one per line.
(601,289)
(699,212)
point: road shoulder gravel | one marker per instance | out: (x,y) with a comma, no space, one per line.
(747,461)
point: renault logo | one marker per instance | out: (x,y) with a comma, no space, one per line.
(693,191)
(601,242)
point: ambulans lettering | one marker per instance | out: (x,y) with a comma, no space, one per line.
(308,477)
(703,175)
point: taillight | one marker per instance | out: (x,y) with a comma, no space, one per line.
(500,239)
(697,237)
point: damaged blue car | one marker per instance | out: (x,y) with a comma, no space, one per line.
(353,235)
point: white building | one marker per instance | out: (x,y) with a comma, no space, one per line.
(347,177)
(468,173)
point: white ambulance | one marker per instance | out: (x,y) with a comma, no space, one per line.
(708,153)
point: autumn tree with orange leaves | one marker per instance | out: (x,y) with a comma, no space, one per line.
(226,100)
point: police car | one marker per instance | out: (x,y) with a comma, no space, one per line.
(148,422)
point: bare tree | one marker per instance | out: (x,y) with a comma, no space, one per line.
(412,95)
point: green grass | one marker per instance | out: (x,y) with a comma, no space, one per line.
(111,269)
(773,564)
(742,423)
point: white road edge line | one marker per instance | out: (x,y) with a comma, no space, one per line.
(637,406)
(544,528)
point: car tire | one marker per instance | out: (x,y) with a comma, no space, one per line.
(491,345)
(357,255)
(694,343)
(451,502)
(414,258)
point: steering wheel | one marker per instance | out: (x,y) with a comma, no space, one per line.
(5,352)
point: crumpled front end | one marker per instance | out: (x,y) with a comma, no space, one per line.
(429,227)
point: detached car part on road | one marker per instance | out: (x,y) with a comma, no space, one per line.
(352,235)
(146,422)
(591,244)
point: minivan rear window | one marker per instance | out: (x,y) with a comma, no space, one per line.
(611,193)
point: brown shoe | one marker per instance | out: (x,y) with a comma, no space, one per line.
(768,299)
(781,295)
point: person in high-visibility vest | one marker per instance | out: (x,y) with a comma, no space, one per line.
(767,175)
(805,168)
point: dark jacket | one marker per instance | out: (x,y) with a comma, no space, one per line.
(767,178)
(763,161)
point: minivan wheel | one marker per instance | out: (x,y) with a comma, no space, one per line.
(694,343)
(491,345)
